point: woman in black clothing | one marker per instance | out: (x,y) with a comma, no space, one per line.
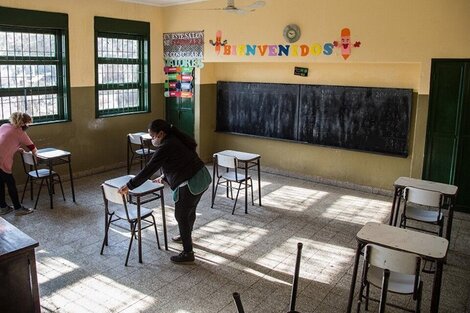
(183,170)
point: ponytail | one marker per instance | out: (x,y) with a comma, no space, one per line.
(161,125)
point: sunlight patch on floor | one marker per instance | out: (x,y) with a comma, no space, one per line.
(293,198)
(321,262)
(228,236)
(358,210)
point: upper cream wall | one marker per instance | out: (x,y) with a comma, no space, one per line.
(81,31)
(399,31)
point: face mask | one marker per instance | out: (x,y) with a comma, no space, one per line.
(24,127)
(155,142)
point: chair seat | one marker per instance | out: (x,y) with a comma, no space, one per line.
(423,215)
(132,209)
(398,283)
(231,176)
(144,151)
(41,173)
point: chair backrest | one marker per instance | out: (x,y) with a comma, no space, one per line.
(393,260)
(230,163)
(111,194)
(29,159)
(424,197)
(226,161)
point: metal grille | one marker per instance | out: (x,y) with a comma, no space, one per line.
(31,74)
(121,68)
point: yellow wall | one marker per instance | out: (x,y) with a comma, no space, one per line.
(398,40)
(81,31)
(400,31)
(96,144)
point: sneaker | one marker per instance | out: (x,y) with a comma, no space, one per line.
(177,239)
(23,211)
(183,258)
(6,210)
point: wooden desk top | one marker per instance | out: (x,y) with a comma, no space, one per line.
(13,240)
(144,189)
(241,156)
(50,153)
(425,245)
(449,190)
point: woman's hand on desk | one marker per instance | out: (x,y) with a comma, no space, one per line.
(159,180)
(124,190)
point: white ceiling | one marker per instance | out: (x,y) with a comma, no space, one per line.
(162,3)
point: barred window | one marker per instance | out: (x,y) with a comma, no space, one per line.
(122,68)
(33,67)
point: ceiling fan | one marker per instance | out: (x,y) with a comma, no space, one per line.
(231,8)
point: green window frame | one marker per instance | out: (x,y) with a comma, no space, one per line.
(122,67)
(34,65)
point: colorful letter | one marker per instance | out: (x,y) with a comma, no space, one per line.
(272,50)
(328,49)
(250,49)
(262,49)
(283,50)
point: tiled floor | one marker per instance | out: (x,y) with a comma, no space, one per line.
(251,254)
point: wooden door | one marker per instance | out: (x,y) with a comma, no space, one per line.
(448,132)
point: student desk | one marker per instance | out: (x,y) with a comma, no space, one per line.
(248,160)
(145,143)
(143,194)
(449,192)
(18,276)
(427,246)
(51,157)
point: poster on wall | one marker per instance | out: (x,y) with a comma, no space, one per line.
(183,49)
(182,52)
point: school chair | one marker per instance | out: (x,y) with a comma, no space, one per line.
(33,173)
(226,170)
(392,271)
(137,149)
(117,208)
(423,206)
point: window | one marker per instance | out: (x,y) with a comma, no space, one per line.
(33,65)
(122,66)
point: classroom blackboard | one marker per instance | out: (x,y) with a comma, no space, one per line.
(359,118)
(258,109)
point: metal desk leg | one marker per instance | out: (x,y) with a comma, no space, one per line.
(139,229)
(392,213)
(214,164)
(71,178)
(354,277)
(450,218)
(259,183)
(246,188)
(51,185)
(397,208)
(162,203)
(436,287)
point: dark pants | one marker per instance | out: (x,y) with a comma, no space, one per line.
(9,180)
(185,214)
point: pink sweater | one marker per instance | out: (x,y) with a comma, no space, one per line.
(11,138)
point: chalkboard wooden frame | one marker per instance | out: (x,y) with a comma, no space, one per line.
(366,119)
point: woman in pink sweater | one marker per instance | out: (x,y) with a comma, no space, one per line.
(12,138)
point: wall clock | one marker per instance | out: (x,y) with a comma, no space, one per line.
(291,33)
